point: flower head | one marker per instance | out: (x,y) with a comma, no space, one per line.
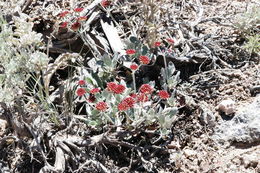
(111,86)
(163,94)
(101,106)
(81,82)
(144,59)
(63,24)
(122,106)
(75,26)
(105,3)
(146,89)
(81,91)
(94,90)
(78,9)
(170,40)
(130,51)
(115,88)
(119,89)
(64,13)
(142,97)
(130,101)
(134,66)
(126,103)
(157,44)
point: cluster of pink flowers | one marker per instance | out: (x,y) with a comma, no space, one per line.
(126,103)
(142,96)
(105,3)
(101,106)
(115,88)
(76,25)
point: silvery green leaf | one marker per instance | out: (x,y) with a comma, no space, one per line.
(161,119)
(171,68)
(171,101)
(170,111)
(107,61)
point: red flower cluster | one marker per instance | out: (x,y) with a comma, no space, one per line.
(105,3)
(157,44)
(75,26)
(101,106)
(78,9)
(115,88)
(146,89)
(94,90)
(130,51)
(81,82)
(163,94)
(142,97)
(144,59)
(171,41)
(63,24)
(126,104)
(134,66)
(64,13)
(81,91)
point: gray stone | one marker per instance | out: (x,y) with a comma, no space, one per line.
(244,127)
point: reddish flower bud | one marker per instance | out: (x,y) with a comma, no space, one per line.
(81,91)
(122,106)
(111,86)
(144,59)
(75,26)
(78,9)
(134,66)
(119,89)
(146,89)
(105,3)
(157,44)
(81,82)
(94,90)
(64,24)
(101,106)
(164,94)
(142,97)
(171,41)
(64,13)
(130,51)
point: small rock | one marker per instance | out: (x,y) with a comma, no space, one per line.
(243,128)
(189,153)
(227,106)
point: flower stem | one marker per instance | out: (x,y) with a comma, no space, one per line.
(134,82)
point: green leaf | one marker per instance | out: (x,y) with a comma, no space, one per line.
(170,111)
(145,50)
(134,40)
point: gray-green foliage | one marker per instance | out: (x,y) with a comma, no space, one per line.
(19,56)
(248,21)
(248,25)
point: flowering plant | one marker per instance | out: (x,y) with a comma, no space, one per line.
(109,100)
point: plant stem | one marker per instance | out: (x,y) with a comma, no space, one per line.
(134,83)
